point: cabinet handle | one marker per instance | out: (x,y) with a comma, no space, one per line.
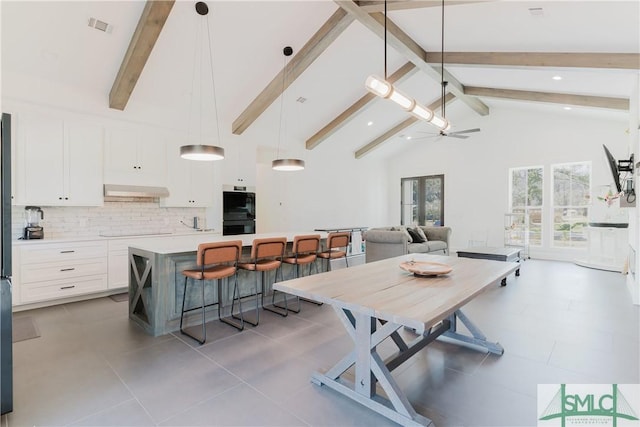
(68,287)
(67,269)
(67,252)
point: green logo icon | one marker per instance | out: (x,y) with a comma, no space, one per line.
(582,408)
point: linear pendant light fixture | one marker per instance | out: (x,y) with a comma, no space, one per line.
(384,89)
(285,165)
(200,151)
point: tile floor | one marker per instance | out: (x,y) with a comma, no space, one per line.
(558,322)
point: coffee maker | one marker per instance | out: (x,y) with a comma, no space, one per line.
(33,230)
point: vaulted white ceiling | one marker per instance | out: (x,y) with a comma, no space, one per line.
(50,42)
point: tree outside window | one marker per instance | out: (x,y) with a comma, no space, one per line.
(571,196)
(422,200)
(526,187)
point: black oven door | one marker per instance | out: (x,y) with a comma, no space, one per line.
(230,228)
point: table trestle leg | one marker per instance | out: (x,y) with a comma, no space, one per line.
(477,338)
(370,369)
(415,346)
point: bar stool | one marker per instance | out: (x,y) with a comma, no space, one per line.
(337,243)
(216,261)
(266,256)
(304,252)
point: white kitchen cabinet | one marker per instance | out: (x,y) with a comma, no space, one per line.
(134,157)
(84,183)
(60,162)
(119,261)
(59,270)
(190,182)
(240,165)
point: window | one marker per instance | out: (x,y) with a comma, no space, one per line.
(571,188)
(525,197)
(422,200)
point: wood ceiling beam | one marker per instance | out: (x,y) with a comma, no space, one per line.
(626,61)
(154,15)
(318,43)
(376,143)
(347,115)
(378,5)
(554,98)
(411,50)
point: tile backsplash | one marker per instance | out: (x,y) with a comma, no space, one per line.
(112,218)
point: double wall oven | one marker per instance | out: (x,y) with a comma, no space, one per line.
(238,211)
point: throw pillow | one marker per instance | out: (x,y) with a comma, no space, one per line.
(406,233)
(420,232)
(414,235)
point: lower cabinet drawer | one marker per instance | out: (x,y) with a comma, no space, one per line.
(40,291)
(55,271)
(57,252)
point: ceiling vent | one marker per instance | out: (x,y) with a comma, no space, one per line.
(99,25)
(536,11)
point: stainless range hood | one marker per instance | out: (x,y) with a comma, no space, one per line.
(134,191)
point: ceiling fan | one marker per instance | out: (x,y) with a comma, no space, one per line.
(461,134)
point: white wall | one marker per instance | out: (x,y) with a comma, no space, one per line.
(476,169)
(335,190)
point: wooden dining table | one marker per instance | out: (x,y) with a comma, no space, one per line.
(374,301)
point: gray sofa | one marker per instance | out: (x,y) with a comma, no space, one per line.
(388,242)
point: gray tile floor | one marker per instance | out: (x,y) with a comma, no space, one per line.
(558,322)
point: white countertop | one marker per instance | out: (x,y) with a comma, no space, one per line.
(107,238)
(189,243)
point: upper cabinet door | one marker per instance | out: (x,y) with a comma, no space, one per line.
(59,162)
(133,157)
(41,155)
(202,188)
(152,160)
(121,156)
(83,171)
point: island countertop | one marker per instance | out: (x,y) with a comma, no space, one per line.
(189,243)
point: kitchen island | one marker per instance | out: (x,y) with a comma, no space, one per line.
(156,280)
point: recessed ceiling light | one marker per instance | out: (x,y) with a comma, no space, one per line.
(369,123)
(408,137)
(567,108)
(557,77)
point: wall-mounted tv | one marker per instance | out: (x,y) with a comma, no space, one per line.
(613,165)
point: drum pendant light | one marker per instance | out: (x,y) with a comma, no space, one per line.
(285,165)
(202,151)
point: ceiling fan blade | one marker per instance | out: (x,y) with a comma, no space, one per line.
(430,137)
(464,131)
(453,135)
